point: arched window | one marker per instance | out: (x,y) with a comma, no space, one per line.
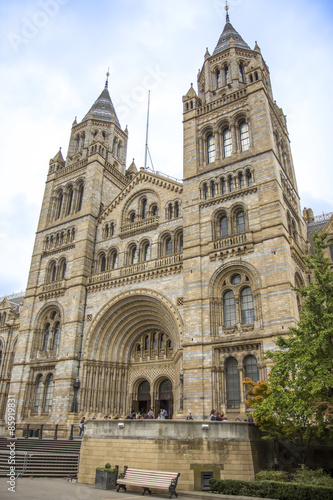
(232,383)
(247,306)
(111,229)
(218,79)
(106,230)
(223,186)
(251,368)
(205,191)
(240,222)
(211,148)
(241,180)
(62,269)
(154,210)
(241,73)
(244,136)
(48,394)
(231,184)
(227,143)
(226,74)
(113,259)
(79,205)
(170,211)
(179,242)
(144,208)
(132,217)
(249,177)
(102,263)
(212,189)
(176,209)
(70,201)
(162,341)
(154,341)
(146,343)
(53,272)
(145,251)
(229,309)
(46,337)
(168,246)
(39,393)
(60,200)
(56,336)
(223,226)
(133,255)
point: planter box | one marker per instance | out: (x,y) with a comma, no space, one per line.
(105,480)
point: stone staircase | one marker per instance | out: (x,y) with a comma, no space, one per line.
(40,457)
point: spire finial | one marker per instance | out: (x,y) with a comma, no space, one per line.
(227,18)
(107,78)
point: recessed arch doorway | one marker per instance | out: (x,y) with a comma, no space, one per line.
(165,398)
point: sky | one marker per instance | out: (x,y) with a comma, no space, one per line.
(54,55)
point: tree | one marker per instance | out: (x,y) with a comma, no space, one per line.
(296,403)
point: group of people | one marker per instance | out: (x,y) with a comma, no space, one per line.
(217,416)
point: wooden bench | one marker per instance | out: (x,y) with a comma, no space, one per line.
(148,479)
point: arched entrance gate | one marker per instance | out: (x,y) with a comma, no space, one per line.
(142,398)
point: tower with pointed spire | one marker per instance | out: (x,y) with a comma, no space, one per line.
(244,231)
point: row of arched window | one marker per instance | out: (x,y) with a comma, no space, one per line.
(51,332)
(226,184)
(292,227)
(169,244)
(44,387)
(237,301)
(226,141)
(154,341)
(233,382)
(60,238)
(229,222)
(223,75)
(67,201)
(56,270)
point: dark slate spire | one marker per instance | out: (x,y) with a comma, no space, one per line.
(103,109)
(229,33)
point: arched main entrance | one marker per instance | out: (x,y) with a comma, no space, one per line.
(143,402)
(165,398)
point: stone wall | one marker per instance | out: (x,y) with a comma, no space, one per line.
(229,450)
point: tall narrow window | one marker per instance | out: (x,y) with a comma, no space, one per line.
(144,208)
(211,148)
(227,143)
(249,178)
(218,79)
(62,269)
(56,336)
(113,260)
(146,252)
(53,272)
(103,263)
(134,255)
(229,309)
(241,180)
(176,209)
(223,186)
(70,201)
(146,343)
(244,136)
(0,355)
(212,189)
(205,191)
(226,75)
(247,306)
(251,368)
(241,73)
(39,393)
(48,394)
(231,184)
(60,199)
(162,342)
(170,211)
(81,189)
(154,210)
(223,226)
(46,337)
(232,383)
(240,222)
(154,341)
(168,246)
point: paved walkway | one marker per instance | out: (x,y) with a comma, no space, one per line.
(61,489)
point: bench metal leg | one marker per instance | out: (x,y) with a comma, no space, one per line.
(123,486)
(146,489)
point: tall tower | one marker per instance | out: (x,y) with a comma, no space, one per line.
(75,193)
(244,234)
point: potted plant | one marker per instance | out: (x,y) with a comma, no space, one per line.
(106,477)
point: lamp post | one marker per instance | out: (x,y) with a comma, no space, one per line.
(181,378)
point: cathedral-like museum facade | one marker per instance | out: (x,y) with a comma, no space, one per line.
(145,292)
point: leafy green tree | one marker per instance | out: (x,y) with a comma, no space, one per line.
(296,403)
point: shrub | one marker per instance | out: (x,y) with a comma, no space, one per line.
(317,477)
(271,489)
(107,468)
(272,475)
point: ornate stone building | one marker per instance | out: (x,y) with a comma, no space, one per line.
(148,292)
